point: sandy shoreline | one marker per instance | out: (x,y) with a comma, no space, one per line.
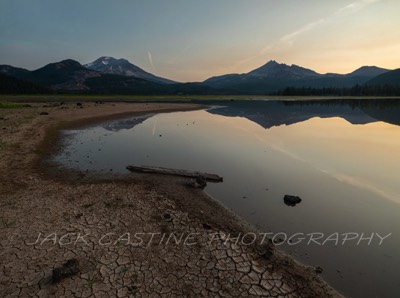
(133,236)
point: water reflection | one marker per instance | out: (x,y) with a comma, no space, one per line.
(117,125)
(274,113)
(347,175)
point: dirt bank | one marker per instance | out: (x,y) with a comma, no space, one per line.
(132,236)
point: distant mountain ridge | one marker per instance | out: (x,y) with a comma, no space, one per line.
(12,71)
(281,70)
(273,76)
(123,67)
(70,76)
(390,78)
(368,71)
(118,76)
(64,75)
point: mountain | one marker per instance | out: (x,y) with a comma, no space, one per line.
(390,78)
(367,71)
(272,69)
(268,78)
(64,75)
(123,67)
(15,72)
(70,76)
(119,76)
(273,77)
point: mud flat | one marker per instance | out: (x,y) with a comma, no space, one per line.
(136,235)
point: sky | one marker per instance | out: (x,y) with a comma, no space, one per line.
(192,40)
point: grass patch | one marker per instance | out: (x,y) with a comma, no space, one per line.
(12,105)
(4,223)
(124,269)
(2,145)
(90,281)
(92,275)
(10,202)
(125,98)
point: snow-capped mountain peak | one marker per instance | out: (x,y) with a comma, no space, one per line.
(123,67)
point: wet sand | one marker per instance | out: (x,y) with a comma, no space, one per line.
(136,235)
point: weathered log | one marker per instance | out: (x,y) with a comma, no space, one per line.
(176,172)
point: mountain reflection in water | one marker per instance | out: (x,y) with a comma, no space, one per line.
(275,113)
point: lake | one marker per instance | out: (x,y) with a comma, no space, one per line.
(341,157)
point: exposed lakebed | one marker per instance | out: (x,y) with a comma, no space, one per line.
(341,158)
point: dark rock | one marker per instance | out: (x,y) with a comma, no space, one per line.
(70,268)
(167,217)
(43,113)
(199,182)
(291,200)
(206,226)
(78,104)
(318,270)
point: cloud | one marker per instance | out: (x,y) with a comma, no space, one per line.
(150,60)
(181,53)
(288,39)
(354,7)
(291,37)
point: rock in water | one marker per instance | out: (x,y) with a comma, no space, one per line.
(291,200)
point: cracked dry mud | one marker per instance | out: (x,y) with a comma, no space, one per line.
(134,235)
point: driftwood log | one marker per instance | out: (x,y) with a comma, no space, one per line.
(176,172)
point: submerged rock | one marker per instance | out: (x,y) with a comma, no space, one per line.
(291,200)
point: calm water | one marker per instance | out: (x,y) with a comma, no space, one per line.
(342,159)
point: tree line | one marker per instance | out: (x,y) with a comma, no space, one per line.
(357,90)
